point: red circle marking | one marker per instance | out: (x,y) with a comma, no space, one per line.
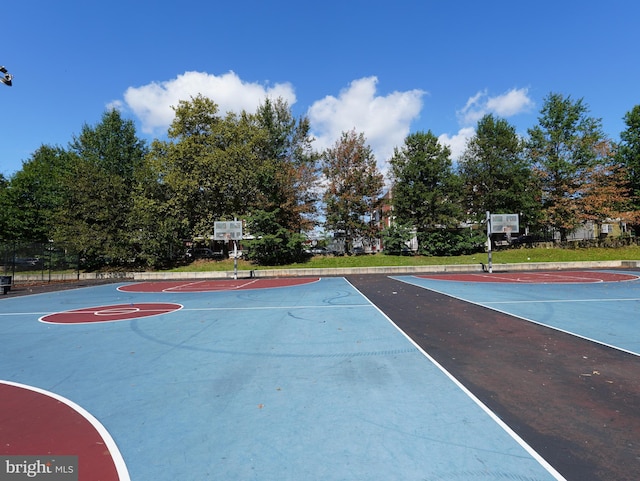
(119,312)
(215,285)
(37,422)
(546,277)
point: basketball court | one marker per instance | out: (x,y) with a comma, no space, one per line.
(253,379)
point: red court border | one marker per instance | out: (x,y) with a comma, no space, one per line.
(542,277)
(62,429)
(117,312)
(216,285)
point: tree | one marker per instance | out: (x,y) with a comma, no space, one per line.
(629,156)
(426,190)
(289,174)
(112,145)
(273,244)
(605,194)
(496,177)
(354,187)
(34,194)
(87,220)
(96,214)
(395,238)
(4,208)
(563,145)
(210,167)
(153,222)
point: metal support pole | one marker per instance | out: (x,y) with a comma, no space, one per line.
(489,264)
(235,259)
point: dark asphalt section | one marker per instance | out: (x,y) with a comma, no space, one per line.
(577,403)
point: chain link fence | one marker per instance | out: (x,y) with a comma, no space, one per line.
(38,262)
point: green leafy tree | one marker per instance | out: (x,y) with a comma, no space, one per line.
(451,242)
(496,177)
(562,147)
(426,190)
(628,155)
(209,168)
(354,187)
(112,145)
(85,221)
(34,194)
(157,231)
(289,173)
(395,238)
(4,209)
(273,244)
(96,213)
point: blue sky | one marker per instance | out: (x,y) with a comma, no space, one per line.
(382,68)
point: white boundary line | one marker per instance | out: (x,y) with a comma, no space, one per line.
(528,277)
(556,301)
(118,460)
(533,321)
(176,288)
(259,308)
(488,411)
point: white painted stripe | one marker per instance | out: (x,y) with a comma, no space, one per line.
(617,348)
(259,308)
(491,414)
(558,301)
(121,467)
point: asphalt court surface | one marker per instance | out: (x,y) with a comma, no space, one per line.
(304,382)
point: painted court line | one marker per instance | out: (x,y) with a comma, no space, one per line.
(569,277)
(559,301)
(494,305)
(110,446)
(214,285)
(556,328)
(532,452)
(258,308)
(183,286)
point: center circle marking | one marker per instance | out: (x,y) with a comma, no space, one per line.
(118,312)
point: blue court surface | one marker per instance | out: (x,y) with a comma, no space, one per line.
(603,312)
(309,382)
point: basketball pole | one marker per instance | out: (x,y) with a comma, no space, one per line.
(489,262)
(235,259)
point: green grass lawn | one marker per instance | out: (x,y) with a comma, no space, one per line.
(506,256)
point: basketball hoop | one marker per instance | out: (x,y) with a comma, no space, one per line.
(500,224)
(228,231)
(503,223)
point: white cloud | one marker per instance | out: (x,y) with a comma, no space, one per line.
(457,142)
(510,103)
(384,120)
(152,103)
